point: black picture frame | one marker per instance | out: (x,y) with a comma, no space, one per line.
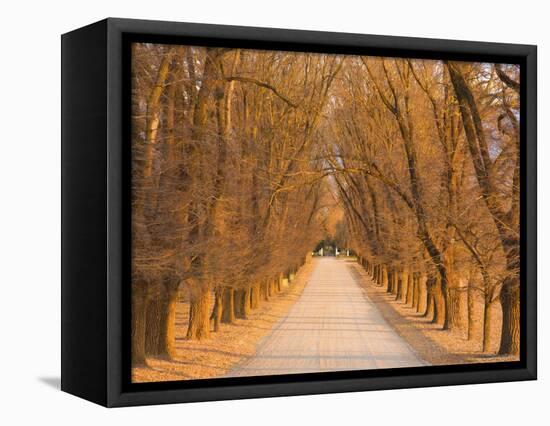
(96,212)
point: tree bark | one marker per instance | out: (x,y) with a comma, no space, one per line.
(410,289)
(264,287)
(242,303)
(384,276)
(255,296)
(430,305)
(228,310)
(199,318)
(167,319)
(153,330)
(139,304)
(454,315)
(423,297)
(391,274)
(402,279)
(470,310)
(153,112)
(510,337)
(487,326)
(439,304)
(431,283)
(279,283)
(416,291)
(216,316)
(158,321)
(271,288)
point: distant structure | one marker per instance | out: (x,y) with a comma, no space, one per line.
(329,248)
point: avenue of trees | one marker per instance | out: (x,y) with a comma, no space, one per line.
(225,201)
(425,157)
(234,152)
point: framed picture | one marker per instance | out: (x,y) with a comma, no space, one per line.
(253,212)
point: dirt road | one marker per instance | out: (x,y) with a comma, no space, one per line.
(333,326)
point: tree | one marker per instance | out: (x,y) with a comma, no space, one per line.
(505,212)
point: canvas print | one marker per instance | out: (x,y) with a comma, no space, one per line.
(298,212)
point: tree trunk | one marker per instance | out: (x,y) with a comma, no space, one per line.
(153,113)
(152,324)
(242,303)
(439,305)
(418,296)
(436,318)
(487,326)
(397,284)
(416,291)
(199,318)
(430,311)
(255,296)
(391,281)
(384,276)
(470,310)
(430,305)
(509,300)
(216,316)
(156,338)
(410,289)
(279,285)
(401,283)
(422,293)
(169,300)
(264,287)
(228,305)
(453,299)
(139,304)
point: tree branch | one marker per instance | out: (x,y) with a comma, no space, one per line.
(512,84)
(264,85)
